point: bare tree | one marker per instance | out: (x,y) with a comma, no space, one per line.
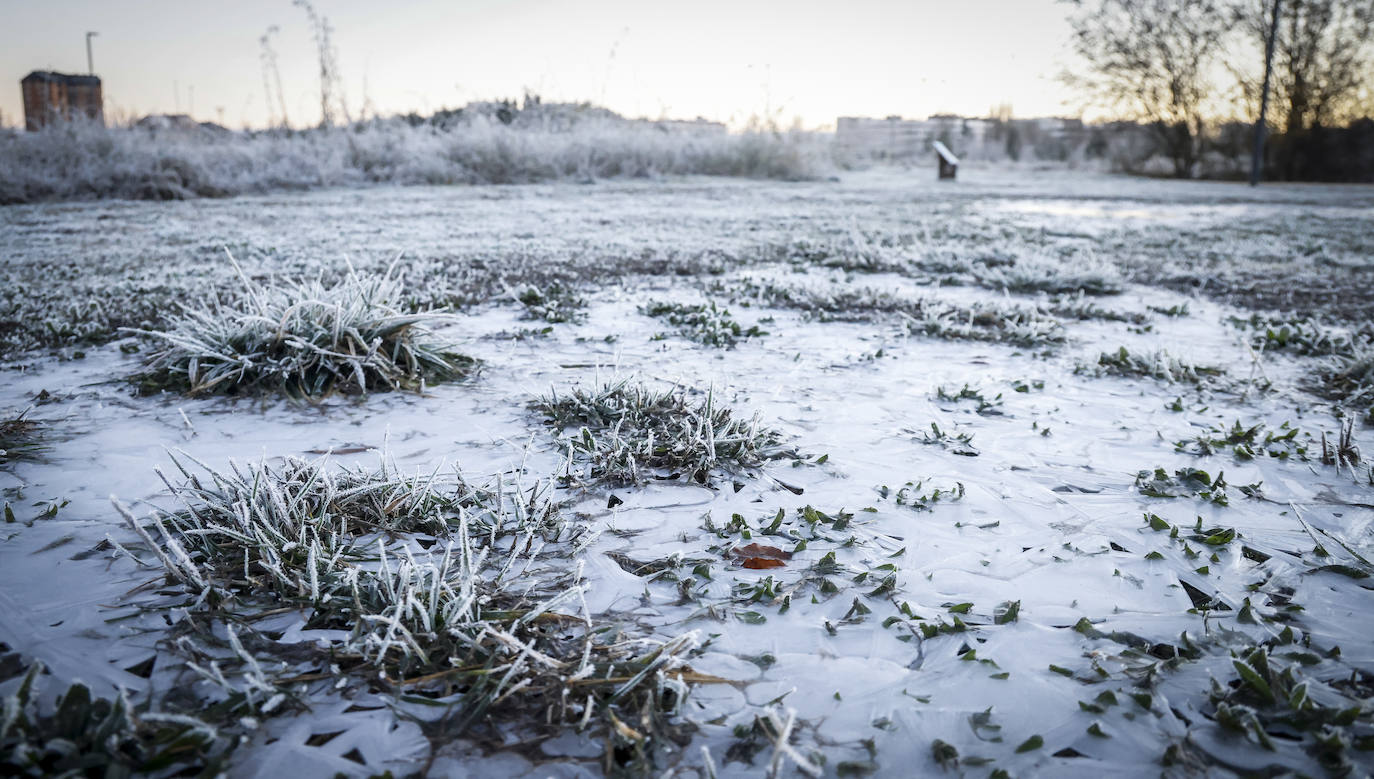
(1323,54)
(1149,60)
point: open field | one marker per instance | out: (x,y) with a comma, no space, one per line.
(1035,473)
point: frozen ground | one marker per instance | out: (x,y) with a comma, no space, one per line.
(902,648)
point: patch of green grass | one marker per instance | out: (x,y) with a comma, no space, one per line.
(626,433)
(1268,695)
(1265,692)
(805,524)
(1247,443)
(835,536)
(554,302)
(918,496)
(704,323)
(306,340)
(1188,483)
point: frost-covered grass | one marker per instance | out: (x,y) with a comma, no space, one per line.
(18,437)
(956,442)
(1248,442)
(84,735)
(1285,264)
(988,320)
(555,302)
(421,581)
(304,339)
(1306,336)
(1189,483)
(1078,308)
(1028,273)
(625,432)
(985,321)
(1266,692)
(130,273)
(1155,365)
(257,520)
(1350,379)
(991,261)
(977,584)
(80,161)
(704,323)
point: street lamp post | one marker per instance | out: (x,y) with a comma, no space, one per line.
(90,61)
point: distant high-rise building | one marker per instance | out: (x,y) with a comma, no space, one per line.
(50,97)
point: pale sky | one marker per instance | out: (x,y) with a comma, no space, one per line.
(720,59)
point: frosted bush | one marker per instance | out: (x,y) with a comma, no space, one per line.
(79,160)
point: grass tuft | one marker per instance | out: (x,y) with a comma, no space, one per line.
(1247,443)
(1079,308)
(554,303)
(1030,274)
(1156,365)
(1305,335)
(915,494)
(419,583)
(303,339)
(627,433)
(18,438)
(1190,483)
(256,520)
(1350,379)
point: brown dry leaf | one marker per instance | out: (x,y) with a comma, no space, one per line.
(759,550)
(760,556)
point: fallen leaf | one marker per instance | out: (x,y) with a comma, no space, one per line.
(759,550)
(760,556)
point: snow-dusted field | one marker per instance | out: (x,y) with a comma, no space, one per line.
(1042,614)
